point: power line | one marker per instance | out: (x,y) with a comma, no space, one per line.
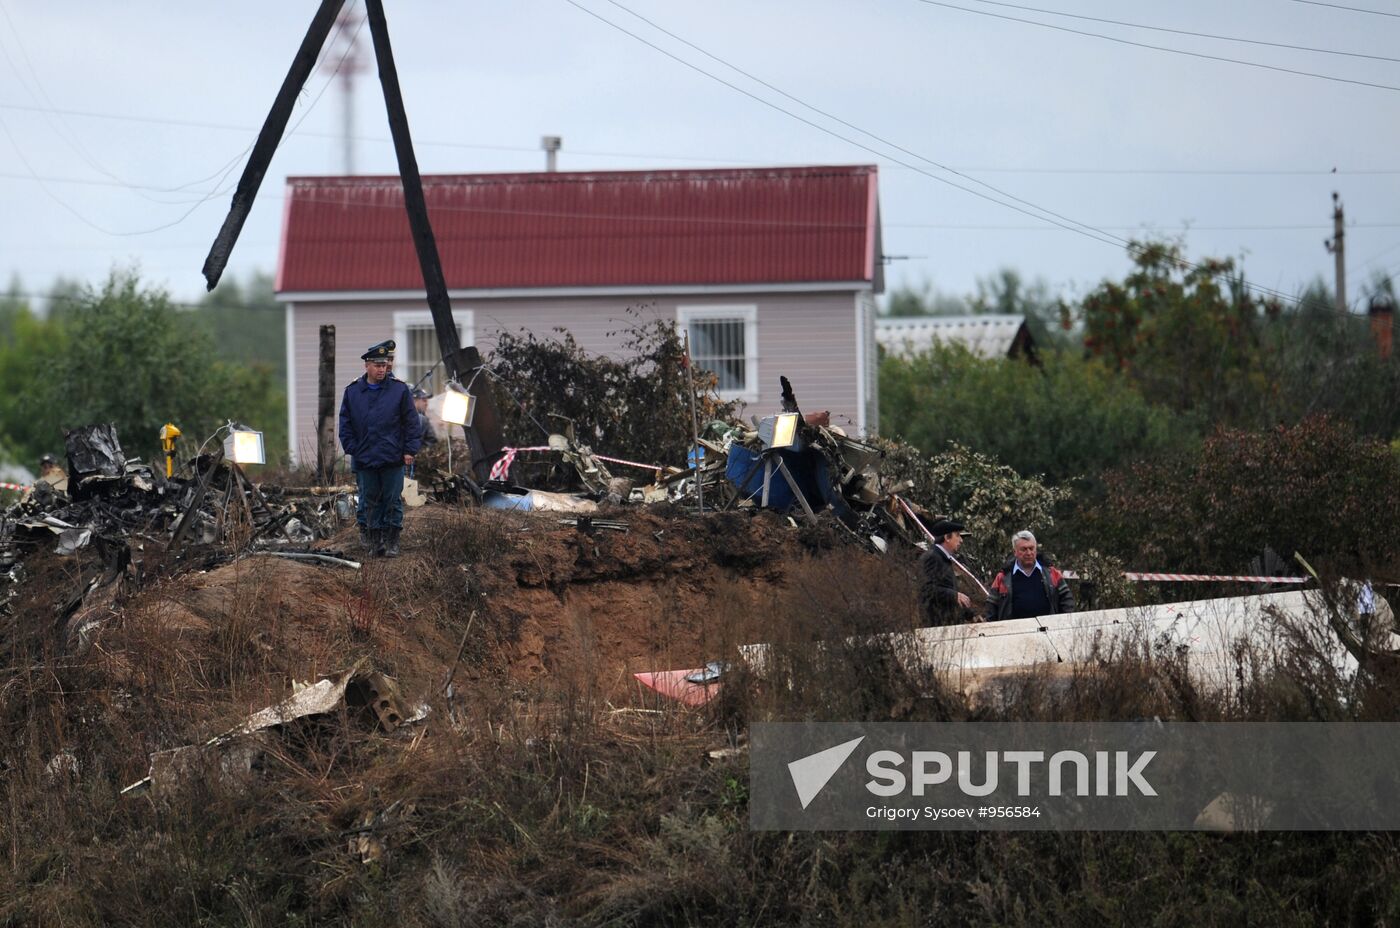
(90,295)
(1058,220)
(1161,48)
(1349,9)
(1300,227)
(594,153)
(850,125)
(1082,229)
(207,197)
(1199,35)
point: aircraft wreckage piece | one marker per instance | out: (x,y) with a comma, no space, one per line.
(236,751)
(1214,636)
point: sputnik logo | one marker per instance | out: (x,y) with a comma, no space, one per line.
(810,774)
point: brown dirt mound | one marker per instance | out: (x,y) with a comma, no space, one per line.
(553,603)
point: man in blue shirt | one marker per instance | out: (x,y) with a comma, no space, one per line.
(381,432)
(1027,587)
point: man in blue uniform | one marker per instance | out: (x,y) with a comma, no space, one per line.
(381,432)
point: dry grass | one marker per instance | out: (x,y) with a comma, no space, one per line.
(547,801)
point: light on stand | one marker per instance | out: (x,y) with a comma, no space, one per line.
(778,431)
(244,446)
(458,406)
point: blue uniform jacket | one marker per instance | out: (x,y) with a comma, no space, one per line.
(378,427)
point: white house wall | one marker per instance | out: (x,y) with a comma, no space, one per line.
(807,337)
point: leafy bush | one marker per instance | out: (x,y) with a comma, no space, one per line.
(1073,417)
(1325,363)
(1316,487)
(634,404)
(991,499)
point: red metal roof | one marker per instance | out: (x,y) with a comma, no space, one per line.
(586,229)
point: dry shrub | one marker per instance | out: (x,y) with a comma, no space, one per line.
(545,803)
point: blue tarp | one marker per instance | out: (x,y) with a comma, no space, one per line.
(808,469)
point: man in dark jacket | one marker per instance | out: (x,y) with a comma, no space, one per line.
(420,403)
(939,598)
(1026,587)
(380,430)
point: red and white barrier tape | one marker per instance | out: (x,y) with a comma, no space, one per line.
(501,469)
(13,486)
(655,467)
(1197,578)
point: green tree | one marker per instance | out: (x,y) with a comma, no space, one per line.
(30,391)
(925,301)
(1186,333)
(64,296)
(123,354)
(1005,293)
(246,323)
(1071,417)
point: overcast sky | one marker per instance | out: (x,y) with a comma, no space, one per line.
(123,126)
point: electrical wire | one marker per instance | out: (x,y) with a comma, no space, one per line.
(843,122)
(1064,222)
(1162,48)
(690,159)
(1069,225)
(1349,9)
(218,190)
(1199,35)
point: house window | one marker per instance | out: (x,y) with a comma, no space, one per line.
(724,340)
(418,350)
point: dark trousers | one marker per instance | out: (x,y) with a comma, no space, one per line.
(381,497)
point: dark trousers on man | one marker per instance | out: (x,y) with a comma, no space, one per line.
(381,497)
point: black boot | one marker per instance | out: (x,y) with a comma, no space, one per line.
(377,535)
(391,542)
(366,538)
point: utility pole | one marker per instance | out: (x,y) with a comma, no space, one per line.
(343,61)
(325,408)
(268,137)
(1337,246)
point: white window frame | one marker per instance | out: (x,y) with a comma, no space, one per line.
(404,318)
(685,315)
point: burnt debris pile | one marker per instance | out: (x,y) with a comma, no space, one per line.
(133,514)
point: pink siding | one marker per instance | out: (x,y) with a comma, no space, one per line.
(808,337)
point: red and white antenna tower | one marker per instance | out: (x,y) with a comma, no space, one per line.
(344,60)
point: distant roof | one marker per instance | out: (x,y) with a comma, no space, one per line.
(586,229)
(987,336)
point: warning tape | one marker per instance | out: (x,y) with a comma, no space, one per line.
(655,467)
(501,468)
(1195,578)
(14,486)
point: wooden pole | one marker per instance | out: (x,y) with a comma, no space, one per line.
(694,430)
(1339,252)
(268,138)
(459,361)
(325,408)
